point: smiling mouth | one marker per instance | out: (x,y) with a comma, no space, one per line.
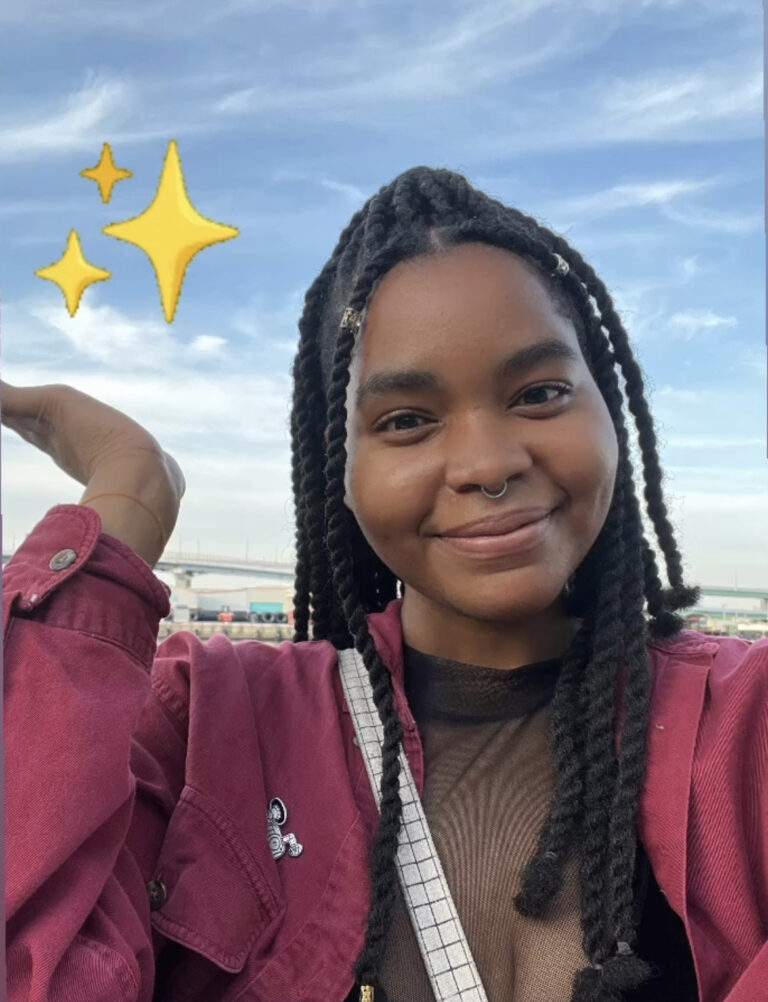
(525,537)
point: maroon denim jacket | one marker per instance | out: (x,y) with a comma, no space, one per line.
(139,778)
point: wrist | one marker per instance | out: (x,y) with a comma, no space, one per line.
(120,519)
(137,506)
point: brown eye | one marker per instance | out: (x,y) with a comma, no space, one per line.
(540,394)
(401,422)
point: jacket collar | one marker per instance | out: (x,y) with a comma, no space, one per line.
(386,629)
(387,632)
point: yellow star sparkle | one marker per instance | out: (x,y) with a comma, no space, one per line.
(105,174)
(171,231)
(72,273)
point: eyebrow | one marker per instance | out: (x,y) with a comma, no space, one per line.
(381,383)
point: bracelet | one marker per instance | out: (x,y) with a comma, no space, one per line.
(131,498)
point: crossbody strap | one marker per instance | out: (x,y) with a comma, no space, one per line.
(443,944)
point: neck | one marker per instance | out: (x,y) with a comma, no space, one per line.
(448,633)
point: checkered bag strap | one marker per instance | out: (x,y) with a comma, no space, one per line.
(443,944)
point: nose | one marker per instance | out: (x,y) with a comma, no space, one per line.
(482,450)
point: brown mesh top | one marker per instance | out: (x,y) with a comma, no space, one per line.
(488,785)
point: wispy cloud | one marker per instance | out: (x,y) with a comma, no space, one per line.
(464,50)
(712,442)
(104,108)
(666,101)
(753,360)
(159,17)
(207,345)
(705,478)
(629,195)
(28,206)
(640,306)
(685,396)
(269,328)
(423,78)
(191,412)
(352,192)
(726,411)
(732,223)
(690,267)
(97,106)
(103,334)
(713,501)
(366,72)
(720,103)
(692,322)
(88,16)
(112,340)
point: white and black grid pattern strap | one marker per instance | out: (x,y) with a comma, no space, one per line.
(443,944)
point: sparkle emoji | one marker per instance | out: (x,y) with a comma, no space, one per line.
(72,273)
(105,173)
(171,231)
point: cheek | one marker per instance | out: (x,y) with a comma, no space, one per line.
(390,495)
(593,463)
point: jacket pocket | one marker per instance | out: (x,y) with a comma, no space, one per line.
(216,901)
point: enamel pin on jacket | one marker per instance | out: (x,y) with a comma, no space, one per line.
(277,815)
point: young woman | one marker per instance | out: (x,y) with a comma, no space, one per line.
(543,788)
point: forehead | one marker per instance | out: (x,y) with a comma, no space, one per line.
(471,298)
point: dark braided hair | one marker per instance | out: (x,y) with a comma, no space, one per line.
(616,591)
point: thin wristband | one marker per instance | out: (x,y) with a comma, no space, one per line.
(130,498)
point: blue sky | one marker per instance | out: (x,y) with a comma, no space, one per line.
(632,127)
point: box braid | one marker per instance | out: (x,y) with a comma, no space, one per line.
(307,420)
(339,579)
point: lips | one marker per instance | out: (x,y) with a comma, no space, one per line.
(478,542)
(497,525)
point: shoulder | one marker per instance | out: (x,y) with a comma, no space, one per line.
(187,669)
(726,654)
(735,668)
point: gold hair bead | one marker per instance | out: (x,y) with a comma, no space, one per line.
(366,993)
(351,318)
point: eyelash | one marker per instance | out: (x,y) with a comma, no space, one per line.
(564,389)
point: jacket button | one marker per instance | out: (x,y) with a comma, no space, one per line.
(158,894)
(62,559)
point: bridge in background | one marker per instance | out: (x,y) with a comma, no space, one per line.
(184,566)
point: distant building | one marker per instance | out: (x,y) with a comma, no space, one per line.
(255,604)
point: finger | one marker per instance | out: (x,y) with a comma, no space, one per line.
(27,401)
(15,400)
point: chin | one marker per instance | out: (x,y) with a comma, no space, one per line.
(500,603)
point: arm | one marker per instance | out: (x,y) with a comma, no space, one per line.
(79,645)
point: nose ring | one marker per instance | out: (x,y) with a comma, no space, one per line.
(501,493)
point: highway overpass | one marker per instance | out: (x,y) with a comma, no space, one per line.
(184,566)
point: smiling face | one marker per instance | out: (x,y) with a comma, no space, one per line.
(467,375)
